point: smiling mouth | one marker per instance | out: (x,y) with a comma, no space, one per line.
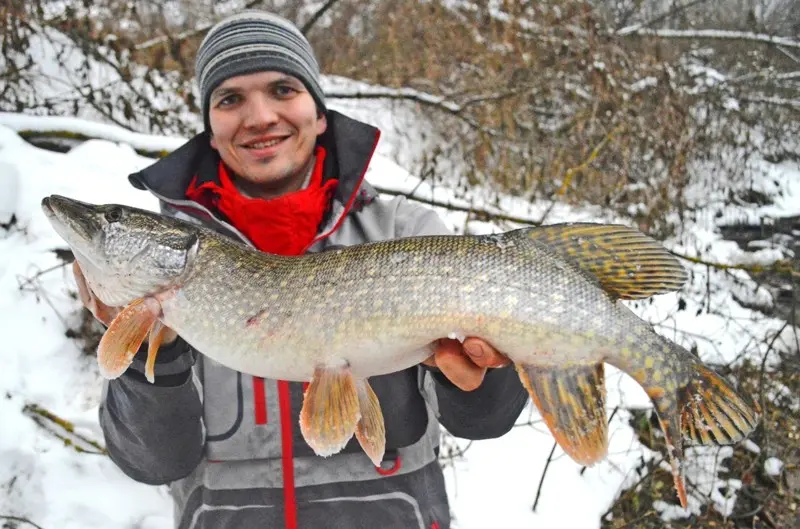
(265,144)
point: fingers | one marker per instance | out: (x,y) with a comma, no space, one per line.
(83,289)
(484,355)
(456,366)
(99,310)
(465,365)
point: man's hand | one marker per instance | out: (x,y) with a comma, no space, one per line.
(465,364)
(100,310)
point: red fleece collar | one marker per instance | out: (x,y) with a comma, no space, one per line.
(284,225)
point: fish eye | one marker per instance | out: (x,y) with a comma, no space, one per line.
(113,214)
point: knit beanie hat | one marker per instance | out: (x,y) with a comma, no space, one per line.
(255,41)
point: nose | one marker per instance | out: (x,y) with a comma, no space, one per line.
(260,112)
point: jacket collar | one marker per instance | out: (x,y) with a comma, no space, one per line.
(349,145)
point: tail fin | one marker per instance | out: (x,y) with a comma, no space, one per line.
(712,412)
(706,410)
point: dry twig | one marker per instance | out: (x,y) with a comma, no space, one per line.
(56,425)
(19,519)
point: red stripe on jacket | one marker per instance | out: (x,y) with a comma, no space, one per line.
(259,400)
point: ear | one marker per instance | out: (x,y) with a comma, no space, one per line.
(213,141)
(322,123)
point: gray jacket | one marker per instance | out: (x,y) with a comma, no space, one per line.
(228,444)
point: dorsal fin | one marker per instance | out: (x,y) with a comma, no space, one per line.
(627,263)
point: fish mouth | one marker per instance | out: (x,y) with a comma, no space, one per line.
(76,222)
(47,207)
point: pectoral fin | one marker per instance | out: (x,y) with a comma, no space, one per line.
(370,430)
(125,335)
(153,344)
(572,403)
(330,410)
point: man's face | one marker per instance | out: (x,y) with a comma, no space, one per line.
(264,126)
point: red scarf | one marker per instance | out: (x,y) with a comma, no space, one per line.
(285,225)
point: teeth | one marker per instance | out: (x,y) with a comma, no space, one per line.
(264,144)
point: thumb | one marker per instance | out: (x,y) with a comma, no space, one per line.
(84,293)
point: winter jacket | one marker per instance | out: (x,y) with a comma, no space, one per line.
(229,444)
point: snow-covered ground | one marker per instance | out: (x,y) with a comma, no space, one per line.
(495,483)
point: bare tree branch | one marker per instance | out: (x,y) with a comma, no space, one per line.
(716,34)
(478,213)
(438,102)
(766,75)
(19,519)
(316,16)
(64,430)
(570,173)
(661,16)
(793,104)
(423,97)
(789,54)
(544,473)
(781,266)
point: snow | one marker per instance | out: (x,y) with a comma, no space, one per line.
(494,483)
(41,366)
(90,129)
(60,75)
(773,466)
(643,84)
(9,183)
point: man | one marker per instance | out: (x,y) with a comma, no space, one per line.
(279,171)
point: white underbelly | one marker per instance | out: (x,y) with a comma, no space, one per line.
(295,348)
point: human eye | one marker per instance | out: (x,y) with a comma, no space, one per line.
(285,90)
(227,100)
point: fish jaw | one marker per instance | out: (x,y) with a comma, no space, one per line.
(76,222)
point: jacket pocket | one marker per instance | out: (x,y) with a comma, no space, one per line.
(391,510)
(241,415)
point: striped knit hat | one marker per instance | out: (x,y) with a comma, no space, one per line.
(255,41)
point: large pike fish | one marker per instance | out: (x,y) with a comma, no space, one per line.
(547,297)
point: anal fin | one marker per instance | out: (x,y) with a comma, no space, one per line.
(330,410)
(370,430)
(571,401)
(125,335)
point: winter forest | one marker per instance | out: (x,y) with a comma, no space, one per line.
(680,118)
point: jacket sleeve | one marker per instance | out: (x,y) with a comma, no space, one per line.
(489,411)
(154,432)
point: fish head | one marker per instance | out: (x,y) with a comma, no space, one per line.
(125,253)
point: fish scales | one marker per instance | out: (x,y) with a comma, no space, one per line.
(396,296)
